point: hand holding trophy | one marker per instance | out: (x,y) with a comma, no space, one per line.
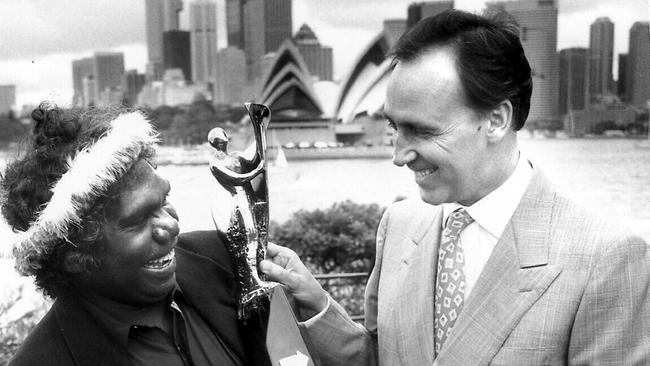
(246,180)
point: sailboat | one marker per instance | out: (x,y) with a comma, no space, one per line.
(280,159)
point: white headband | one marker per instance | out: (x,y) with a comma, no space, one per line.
(91,171)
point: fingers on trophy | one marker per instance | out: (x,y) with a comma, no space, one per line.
(245,179)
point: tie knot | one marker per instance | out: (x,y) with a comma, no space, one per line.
(458,220)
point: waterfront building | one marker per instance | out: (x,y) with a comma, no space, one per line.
(318,58)
(177,51)
(172,91)
(203,29)
(131,85)
(160,16)
(108,69)
(394,28)
(538,32)
(363,89)
(93,75)
(573,80)
(230,76)
(81,69)
(601,55)
(638,65)
(421,10)
(621,83)
(235,23)
(7,98)
(288,91)
(591,119)
(267,23)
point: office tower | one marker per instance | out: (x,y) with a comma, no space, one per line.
(93,75)
(621,83)
(203,30)
(81,69)
(235,22)
(421,10)
(573,79)
(108,70)
(176,51)
(394,28)
(7,98)
(538,33)
(132,83)
(318,58)
(230,73)
(638,65)
(601,55)
(160,16)
(266,24)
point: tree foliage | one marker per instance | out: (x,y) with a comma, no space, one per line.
(340,238)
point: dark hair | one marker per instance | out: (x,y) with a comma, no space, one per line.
(490,59)
(27,181)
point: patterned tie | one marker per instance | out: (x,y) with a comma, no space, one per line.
(450,278)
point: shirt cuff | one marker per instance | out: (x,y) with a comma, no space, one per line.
(316,317)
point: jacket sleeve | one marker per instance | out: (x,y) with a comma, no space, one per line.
(336,337)
(612,325)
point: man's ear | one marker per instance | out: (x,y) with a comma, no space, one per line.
(500,120)
(72,263)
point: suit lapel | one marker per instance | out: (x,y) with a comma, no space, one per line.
(214,298)
(415,288)
(87,343)
(515,276)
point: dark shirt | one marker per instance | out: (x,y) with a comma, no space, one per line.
(176,336)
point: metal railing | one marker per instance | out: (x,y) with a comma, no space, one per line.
(356,279)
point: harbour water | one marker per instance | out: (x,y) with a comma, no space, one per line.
(609,176)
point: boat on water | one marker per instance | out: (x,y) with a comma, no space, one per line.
(280,159)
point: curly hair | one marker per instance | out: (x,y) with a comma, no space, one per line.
(27,182)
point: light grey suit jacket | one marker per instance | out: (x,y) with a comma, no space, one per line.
(561,287)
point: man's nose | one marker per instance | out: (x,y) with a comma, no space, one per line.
(165,225)
(403,152)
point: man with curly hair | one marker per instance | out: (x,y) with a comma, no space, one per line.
(97,232)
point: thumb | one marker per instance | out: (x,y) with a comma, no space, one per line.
(275,272)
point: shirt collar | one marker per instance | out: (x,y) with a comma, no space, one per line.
(493,211)
(117,319)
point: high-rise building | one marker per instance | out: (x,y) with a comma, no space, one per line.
(203,30)
(573,80)
(93,75)
(537,21)
(132,83)
(7,98)
(318,58)
(266,24)
(394,28)
(81,69)
(160,16)
(621,83)
(638,65)
(176,51)
(108,69)
(230,72)
(601,56)
(421,10)
(235,23)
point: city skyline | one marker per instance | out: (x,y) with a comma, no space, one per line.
(49,76)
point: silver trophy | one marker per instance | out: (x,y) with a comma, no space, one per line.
(246,180)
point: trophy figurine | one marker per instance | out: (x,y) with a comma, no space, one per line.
(245,179)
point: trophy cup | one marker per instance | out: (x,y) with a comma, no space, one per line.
(246,180)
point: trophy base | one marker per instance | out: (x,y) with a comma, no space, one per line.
(286,343)
(255,300)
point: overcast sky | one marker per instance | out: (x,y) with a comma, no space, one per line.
(40,38)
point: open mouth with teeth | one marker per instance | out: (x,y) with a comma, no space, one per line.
(424,172)
(161,262)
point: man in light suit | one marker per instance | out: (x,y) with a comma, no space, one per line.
(492,265)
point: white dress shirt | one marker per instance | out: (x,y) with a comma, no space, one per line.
(491,214)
